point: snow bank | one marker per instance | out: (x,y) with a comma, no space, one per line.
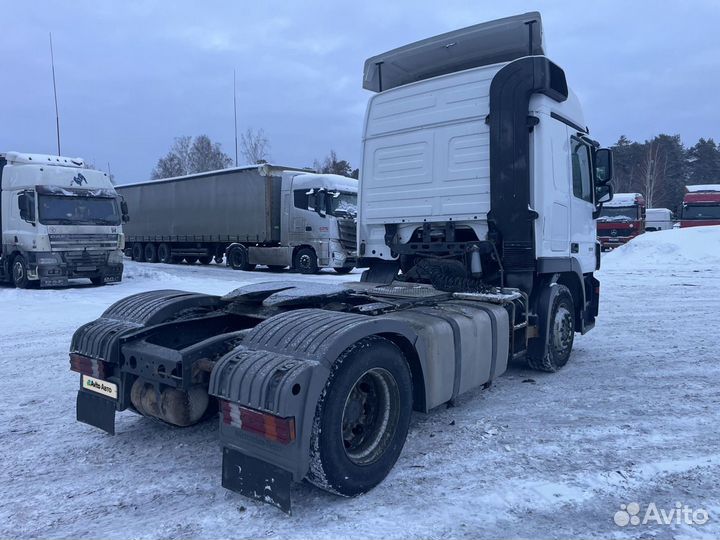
(691,248)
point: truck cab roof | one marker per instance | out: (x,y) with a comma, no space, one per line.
(22,158)
(625,199)
(56,173)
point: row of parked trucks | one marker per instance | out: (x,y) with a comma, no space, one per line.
(626,217)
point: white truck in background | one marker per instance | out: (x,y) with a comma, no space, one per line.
(59,221)
(658,219)
(481,183)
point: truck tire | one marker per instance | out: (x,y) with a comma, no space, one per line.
(238,259)
(344,269)
(150,252)
(164,253)
(205,260)
(19,273)
(191,260)
(554,351)
(138,253)
(305,261)
(362,418)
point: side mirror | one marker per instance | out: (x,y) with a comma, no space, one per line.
(125,218)
(123,207)
(603,166)
(603,194)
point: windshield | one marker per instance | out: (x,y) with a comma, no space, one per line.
(701,212)
(344,205)
(618,213)
(62,210)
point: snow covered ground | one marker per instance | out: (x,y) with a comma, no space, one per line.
(633,418)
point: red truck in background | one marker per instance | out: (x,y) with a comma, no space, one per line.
(621,220)
(701,206)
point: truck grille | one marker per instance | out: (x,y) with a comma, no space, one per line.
(85,259)
(80,242)
(348,233)
(617,233)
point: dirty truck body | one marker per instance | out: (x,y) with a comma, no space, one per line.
(261,214)
(477,197)
(59,221)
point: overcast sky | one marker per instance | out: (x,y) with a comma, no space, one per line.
(131,76)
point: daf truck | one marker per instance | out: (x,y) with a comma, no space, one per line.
(255,215)
(59,221)
(621,220)
(478,192)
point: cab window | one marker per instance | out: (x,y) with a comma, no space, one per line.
(581,170)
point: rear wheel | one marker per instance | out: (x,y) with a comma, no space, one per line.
(150,252)
(362,418)
(138,253)
(305,261)
(164,253)
(555,351)
(19,273)
(205,260)
(238,259)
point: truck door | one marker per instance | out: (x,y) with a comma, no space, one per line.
(582,229)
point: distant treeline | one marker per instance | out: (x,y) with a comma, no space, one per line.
(661,167)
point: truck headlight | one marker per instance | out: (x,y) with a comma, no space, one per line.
(115,257)
(47,259)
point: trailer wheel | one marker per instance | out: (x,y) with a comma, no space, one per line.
(344,269)
(305,261)
(150,252)
(138,254)
(164,253)
(362,418)
(238,259)
(205,260)
(554,352)
(19,273)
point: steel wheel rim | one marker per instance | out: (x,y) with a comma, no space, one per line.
(370,416)
(562,329)
(305,261)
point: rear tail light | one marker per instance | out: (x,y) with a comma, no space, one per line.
(266,425)
(88,366)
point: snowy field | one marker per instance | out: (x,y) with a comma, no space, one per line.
(633,418)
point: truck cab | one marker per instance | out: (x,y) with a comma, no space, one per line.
(701,206)
(621,220)
(59,221)
(320,212)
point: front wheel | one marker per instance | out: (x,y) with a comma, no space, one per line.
(554,350)
(362,418)
(238,259)
(19,273)
(305,261)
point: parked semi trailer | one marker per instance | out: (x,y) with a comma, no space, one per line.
(260,214)
(59,221)
(479,173)
(621,220)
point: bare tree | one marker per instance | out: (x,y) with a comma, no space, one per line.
(255,146)
(652,170)
(190,157)
(332,165)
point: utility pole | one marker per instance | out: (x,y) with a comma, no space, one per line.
(57,114)
(235,115)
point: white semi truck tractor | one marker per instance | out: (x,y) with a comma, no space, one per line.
(478,192)
(59,221)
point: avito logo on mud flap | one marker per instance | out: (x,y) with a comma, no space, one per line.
(100,387)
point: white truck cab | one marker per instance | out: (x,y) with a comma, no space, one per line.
(59,221)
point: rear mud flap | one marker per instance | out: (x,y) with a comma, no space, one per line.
(96,411)
(256,479)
